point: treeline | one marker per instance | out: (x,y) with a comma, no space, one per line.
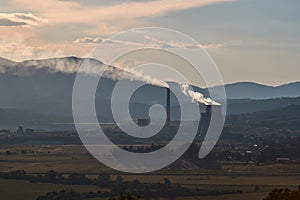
(166,189)
(103,179)
(284,194)
(72,195)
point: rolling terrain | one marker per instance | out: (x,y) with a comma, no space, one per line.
(40,93)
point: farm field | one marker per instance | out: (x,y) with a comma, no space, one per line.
(19,189)
(253,181)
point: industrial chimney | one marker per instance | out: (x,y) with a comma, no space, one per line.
(168,107)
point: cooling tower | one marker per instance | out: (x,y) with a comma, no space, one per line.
(205,120)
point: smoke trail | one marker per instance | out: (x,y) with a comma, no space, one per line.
(71,65)
(197,96)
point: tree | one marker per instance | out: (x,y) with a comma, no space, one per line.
(119,183)
(167,182)
(284,194)
(51,175)
(78,179)
(128,196)
(256,188)
(119,180)
(103,179)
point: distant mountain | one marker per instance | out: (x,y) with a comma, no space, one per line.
(40,91)
(249,90)
(46,85)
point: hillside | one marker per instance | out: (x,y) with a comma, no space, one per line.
(239,106)
(40,91)
(286,118)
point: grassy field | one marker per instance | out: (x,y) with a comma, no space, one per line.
(219,180)
(74,158)
(18,189)
(247,196)
(24,190)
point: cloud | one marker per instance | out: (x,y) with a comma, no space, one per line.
(20,19)
(100,19)
(8,22)
(214,46)
(108,41)
(89,40)
(172,44)
(116,16)
(152,42)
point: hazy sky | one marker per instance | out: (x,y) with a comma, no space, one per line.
(250,40)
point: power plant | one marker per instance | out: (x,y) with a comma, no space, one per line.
(171,125)
(203,123)
(168,108)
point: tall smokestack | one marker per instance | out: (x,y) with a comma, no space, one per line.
(168,108)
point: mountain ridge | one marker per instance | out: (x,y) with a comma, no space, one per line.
(74,58)
(42,88)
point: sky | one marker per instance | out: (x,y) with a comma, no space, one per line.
(250,40)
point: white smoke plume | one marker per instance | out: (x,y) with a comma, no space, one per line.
(197,96)
(70,65)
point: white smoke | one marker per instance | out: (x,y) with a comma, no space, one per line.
(116,73)
(197,96)
(70,65)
